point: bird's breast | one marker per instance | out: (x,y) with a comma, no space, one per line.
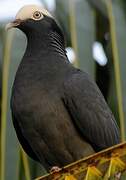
(40,112)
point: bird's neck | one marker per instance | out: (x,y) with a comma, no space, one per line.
(57,43)
(46,43)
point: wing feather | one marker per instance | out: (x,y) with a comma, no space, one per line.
(90,112)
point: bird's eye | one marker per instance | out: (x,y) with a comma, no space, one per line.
(37,15)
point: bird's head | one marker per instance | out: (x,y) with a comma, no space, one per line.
(40,28)
(33,18)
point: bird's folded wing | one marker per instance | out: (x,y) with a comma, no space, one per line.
(89,111)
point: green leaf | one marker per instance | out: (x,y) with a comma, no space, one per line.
(4,107)
(85,30)
(118,34)
(81,26)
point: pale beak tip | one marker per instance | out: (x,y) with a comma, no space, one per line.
(15,23)
(8,26)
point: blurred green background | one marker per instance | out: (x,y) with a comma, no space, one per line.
(96,32)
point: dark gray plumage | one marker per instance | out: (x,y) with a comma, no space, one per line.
(59,113)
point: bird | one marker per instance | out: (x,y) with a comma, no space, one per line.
(59,113)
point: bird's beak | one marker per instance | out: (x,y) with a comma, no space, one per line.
(13,24)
